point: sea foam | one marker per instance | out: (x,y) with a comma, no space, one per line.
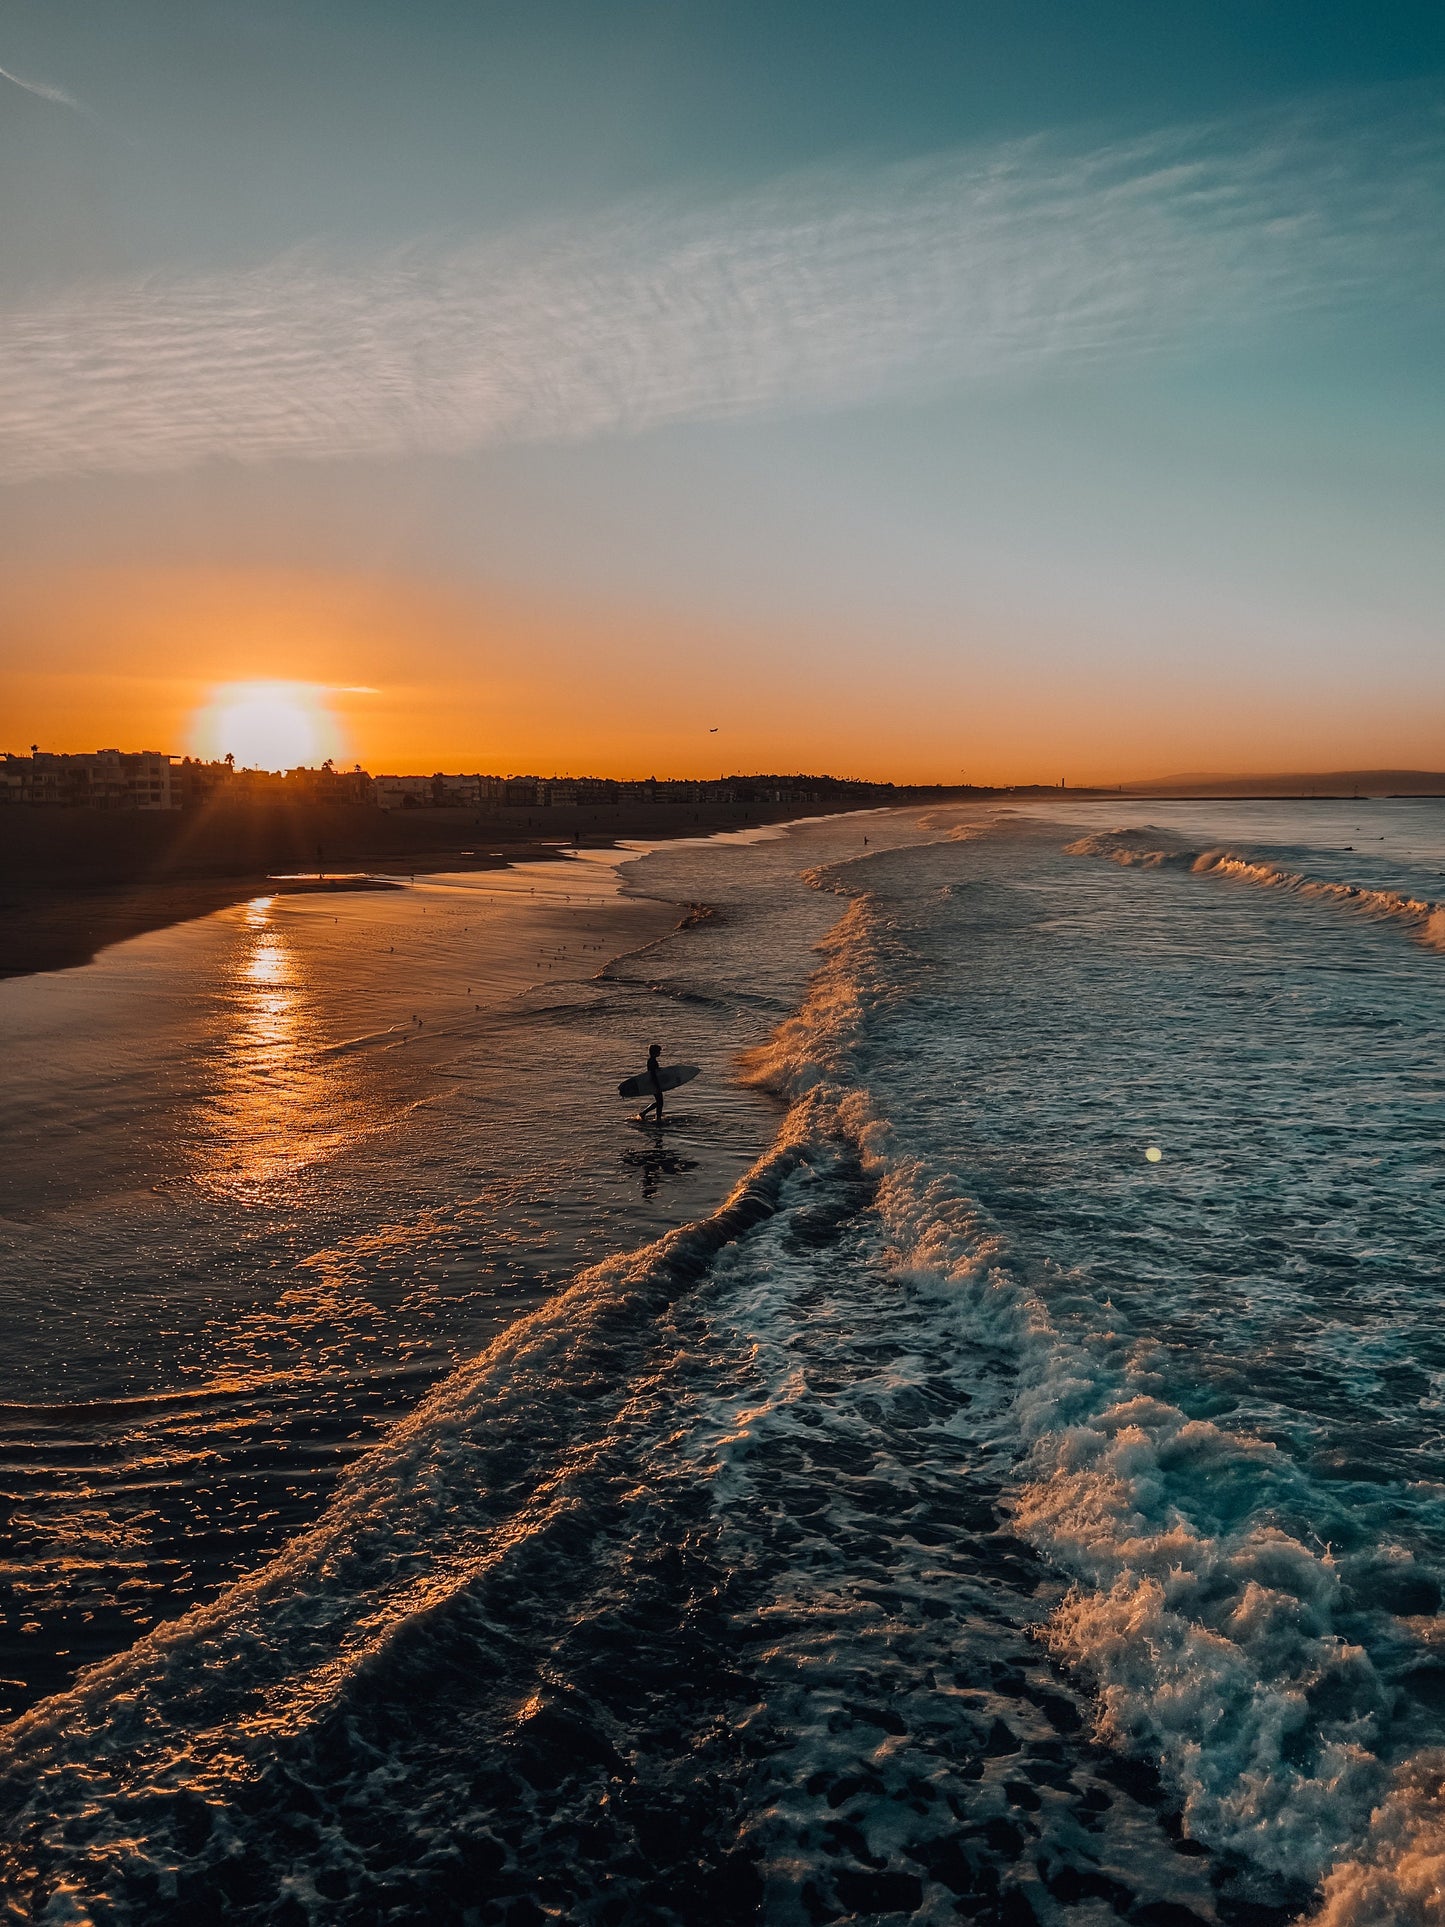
(1152,849)
(1216,1654)
(1212,1637)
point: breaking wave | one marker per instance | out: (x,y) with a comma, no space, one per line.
(1217,1653)
(1151,849)
(708,1589)
(120,1796)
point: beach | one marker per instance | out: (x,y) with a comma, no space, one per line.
(74,881)
(199,1118)
(975,1461)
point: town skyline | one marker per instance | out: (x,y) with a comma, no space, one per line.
(80,778)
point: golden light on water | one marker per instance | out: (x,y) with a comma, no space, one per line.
(274,1108)
(267,725)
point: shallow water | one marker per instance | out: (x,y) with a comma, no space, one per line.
(972,1518)
(266,1177)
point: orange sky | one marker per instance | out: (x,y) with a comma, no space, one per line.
(1003,400)
(421,678)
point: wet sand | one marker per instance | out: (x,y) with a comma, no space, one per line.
(64,898)
(58,928)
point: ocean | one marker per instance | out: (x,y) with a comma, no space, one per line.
(979,1460)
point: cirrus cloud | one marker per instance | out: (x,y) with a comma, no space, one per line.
(826,290)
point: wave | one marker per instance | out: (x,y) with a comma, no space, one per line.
(292,1708)
(121,1794)
(1151,849)
(1215,1654)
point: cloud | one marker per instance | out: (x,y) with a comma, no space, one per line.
(42,91)
(823,291)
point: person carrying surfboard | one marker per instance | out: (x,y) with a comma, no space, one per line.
(657,1078)
(654,1079)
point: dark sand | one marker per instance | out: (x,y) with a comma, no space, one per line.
(74,882)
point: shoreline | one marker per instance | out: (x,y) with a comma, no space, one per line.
(64,929)
(61,906)
(50,925)
(464,1156)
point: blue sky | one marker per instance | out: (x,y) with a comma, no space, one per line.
(995,387)
(233,127)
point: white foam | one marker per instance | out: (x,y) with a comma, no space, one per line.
(1149,848)
(1210,1652)
(490,1460)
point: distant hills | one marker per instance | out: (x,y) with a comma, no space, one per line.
(1334,782)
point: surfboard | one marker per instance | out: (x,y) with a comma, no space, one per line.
(671,1076)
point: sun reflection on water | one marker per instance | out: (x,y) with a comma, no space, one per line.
(275,1108)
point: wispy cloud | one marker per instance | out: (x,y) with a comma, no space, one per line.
(824,291)
(41,91)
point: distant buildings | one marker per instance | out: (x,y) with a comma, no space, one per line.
(104,779)
(198,783)
(538,792)
(149,779)
(113,779)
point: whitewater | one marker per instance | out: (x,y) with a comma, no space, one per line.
(960,1515)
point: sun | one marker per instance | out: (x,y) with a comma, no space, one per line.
(267,725)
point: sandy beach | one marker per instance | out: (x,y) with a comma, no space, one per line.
(74,882)
(59,928)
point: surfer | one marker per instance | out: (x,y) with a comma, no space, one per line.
(651,1083)
(654,1079)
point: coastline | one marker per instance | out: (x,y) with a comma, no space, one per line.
(61,928)
(69,890)
(60,908)
(621,1387)
(354,1174)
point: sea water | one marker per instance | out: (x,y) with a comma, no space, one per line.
(998,1479)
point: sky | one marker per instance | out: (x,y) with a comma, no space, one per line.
(934,392)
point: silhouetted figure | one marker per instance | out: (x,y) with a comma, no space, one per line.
(654,1078)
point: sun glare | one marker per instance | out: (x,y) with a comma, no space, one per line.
(267,725)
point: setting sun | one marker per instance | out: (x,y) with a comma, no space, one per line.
(267,725)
